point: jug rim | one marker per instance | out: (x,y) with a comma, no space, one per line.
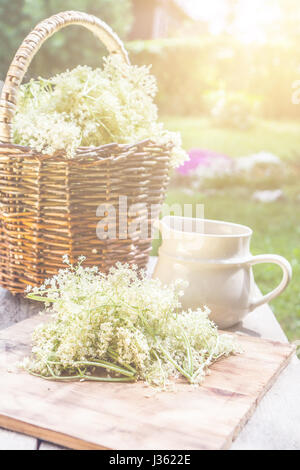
(245,231)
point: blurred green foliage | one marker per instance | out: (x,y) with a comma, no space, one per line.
(67,48)
(278,137)
(232,109)
(188,69)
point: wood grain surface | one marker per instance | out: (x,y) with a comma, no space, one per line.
(133,416)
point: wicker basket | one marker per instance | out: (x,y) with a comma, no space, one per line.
(48,203)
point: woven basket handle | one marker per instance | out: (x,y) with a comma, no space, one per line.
(30,47)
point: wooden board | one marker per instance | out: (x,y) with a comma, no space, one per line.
(85,415)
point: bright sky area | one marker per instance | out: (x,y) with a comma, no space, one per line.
(252,16)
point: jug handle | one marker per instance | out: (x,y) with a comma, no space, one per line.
(287,276)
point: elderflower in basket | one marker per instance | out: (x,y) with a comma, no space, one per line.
(71,144)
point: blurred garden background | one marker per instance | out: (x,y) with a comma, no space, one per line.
(228,73)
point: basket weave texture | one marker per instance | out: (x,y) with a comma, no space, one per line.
(49,203)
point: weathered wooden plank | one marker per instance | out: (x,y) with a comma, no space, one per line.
(14,309)
(117,416)
(277,410)
(48,446)
(276,422)
(14,441)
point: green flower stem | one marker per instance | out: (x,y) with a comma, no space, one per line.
(177,366)
(114,356)
(50,370)
(186,374)
(83,377)
(197,373)
(39,298)
(160,364)
(103,364)
(189,352)
(209,360)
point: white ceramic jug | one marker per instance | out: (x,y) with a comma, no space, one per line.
(214,257)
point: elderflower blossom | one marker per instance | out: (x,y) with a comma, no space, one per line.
(123,322)
(85,107)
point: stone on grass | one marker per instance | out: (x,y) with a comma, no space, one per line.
(268,195)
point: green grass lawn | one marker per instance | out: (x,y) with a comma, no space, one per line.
(276,226)
(279,137)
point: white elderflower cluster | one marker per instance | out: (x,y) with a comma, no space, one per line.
(85,107)
(121,327)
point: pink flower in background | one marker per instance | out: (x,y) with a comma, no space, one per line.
(204,158)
